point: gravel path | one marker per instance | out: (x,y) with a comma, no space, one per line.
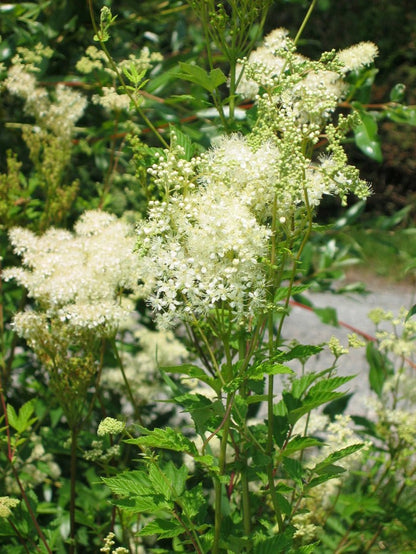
(307,328)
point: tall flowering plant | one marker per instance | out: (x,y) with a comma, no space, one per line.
(219,254)
(253,456)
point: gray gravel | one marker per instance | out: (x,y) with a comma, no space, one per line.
(307,328)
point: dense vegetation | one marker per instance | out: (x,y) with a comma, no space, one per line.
(173,176)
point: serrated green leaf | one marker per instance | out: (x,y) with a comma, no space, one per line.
(160,482)
(163,528)
(337,406)
(300,385)
(300,443)
(397,92)
(165,438)
(210,462)
(280,429)
(331,469)
(323,478)
(294,469)
(194,372)
(151,504)
(11,416)
(307,548)
(312,403)
(217,77)
(268,367)
(368,426)
(256,398)
(183,140)
(389,222)
(177,477)
(274,545)
(337,455)
(129,483)
(201,409)
(350,215)
(284,504)
(402,114)
(194,502)
(328,385)
(327,315)
(22,421)
(298,352)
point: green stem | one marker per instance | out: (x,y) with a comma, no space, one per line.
(218,486)
(73,476)
(31,512)
(244,475)
(209,349)
(193,537)
(246,507)
(20,538)
(126,381)
(122,81)
(305,21)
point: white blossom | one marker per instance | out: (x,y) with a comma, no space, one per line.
(357,56)
(76,277)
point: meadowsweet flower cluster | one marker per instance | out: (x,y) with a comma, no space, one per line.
(394,408)
(202,251)
(96,59)
(135,66)
(6,505)
(316,85)
(81,283)
(203,246)
(110,426)
(206,243)
(49,138)
(109,543)
(357,56)
(400,338)
(57,114)
(100,453)
(76,278)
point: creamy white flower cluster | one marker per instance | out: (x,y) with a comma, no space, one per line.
(58,113)
(400,338)
(76,277)
(109,543)
(6,505)
(314,88)
(95,59)
(201,252)
(203,246)
(207,244)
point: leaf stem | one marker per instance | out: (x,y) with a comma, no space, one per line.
(218,485)
(305,21)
